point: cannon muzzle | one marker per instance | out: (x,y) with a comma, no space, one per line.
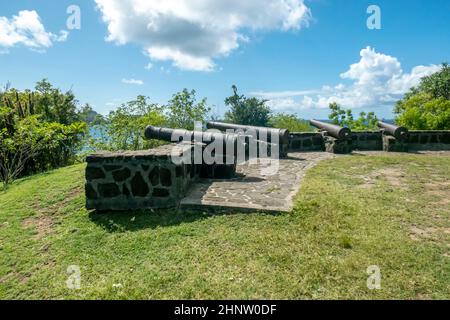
(332,129)
(399,133)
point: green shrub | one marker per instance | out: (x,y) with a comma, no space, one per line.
(290,122)
(345,118)
(427,107)
(39,130)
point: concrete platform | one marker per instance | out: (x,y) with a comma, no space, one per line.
(255,188)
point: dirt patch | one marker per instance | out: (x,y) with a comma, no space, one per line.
(394,176)
(71,195)
(74,193)
(440,190)
(42,224)
(22,277)
(429,233)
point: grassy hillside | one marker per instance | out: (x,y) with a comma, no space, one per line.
(392,211)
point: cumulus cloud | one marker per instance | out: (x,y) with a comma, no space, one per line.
(191,33)
(133,81)
(26,29)
(377,80)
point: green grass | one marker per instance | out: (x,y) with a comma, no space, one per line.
(391,211)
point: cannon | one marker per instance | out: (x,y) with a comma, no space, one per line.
(399,133)
(240,146)
(180,135)
(262,133)
(222,166)
(332,130)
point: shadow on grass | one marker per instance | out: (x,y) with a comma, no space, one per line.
(129,221)
(123,221)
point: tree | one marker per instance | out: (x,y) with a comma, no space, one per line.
(31,146)
(423,112)
(290,122)
(17,149)
(427,106)
(437,84)
(184,110)
(54,105)
(31,138)
(124,128)
(345,118)
(247,111)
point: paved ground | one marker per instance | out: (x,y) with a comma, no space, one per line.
(256,187)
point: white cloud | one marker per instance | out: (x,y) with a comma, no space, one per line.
(133,81)
(26,29)
(192,33)
(149,66)
(378,80)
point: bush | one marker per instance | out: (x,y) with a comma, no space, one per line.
(290,122)
(35,136)
(123,128)
(345,118)
(427,107)
(423,112)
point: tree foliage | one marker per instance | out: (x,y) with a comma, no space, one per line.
(123,128)
(423,112)
(427,106)
(247,111)
(290,122)
(39,130)
(184,110)
(437,84)
(345,118)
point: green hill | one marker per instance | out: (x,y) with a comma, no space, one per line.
(391,211)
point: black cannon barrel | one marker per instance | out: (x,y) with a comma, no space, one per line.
(261,132)
(232,142)
(332,129)
(179,135)
(400,133)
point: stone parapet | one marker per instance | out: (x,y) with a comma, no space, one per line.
(138,180)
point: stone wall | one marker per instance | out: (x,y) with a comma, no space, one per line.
(372,141)
(367,140)
(306,141)
(429,140)
(138,180)
(316,141)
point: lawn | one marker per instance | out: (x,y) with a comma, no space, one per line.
(392,211)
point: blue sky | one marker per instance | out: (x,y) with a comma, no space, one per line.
(300,55)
